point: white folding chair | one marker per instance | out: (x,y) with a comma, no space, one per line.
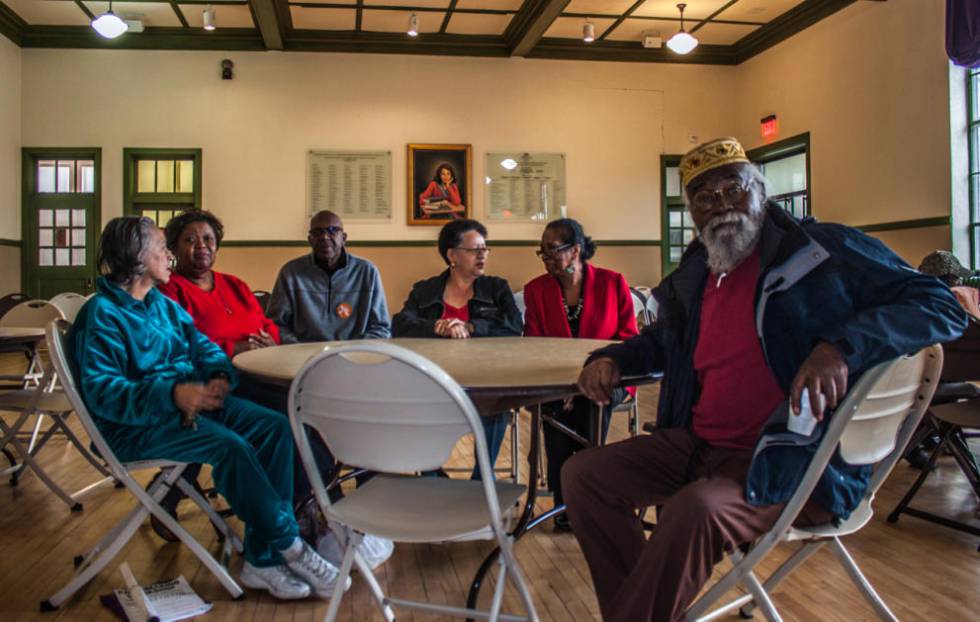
(92,562)
(872,426)
(519,301)
(393,411)
(43,400)
(29,314)
(69,303)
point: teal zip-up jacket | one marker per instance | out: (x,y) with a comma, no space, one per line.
(130,354)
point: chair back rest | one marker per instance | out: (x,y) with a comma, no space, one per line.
(640,307)
(381,407)
(31,314)
(519,301)
(874,423)
(652,308)
(263,297)
(56,335)
(961,357)
(70,304)
(10,301)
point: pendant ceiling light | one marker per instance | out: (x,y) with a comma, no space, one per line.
(682,42)
(109,25)
(210,23)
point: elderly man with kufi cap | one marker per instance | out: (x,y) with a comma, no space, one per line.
(761,306)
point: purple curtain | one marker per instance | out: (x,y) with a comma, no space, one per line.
(963,32)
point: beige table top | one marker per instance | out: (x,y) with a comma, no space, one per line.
(490,368)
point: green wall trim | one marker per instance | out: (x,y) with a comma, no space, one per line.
(8,242)
(937,221)
(12,25)
(412,243)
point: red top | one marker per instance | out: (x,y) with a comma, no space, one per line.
(738,390)
(438,191)
(607,307)
(450,312)
(227,314)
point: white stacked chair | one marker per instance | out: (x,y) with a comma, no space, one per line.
(30,314)
(390,410)
(94,561)
(871,427)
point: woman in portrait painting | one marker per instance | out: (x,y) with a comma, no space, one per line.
(441,198)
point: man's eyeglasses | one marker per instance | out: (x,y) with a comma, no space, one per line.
(731,193)
(552,252)
(479,250)
(331,230)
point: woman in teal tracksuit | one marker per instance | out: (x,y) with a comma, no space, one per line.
(159,389)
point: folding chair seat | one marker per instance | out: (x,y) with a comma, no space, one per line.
(871,427)
(43,400)
(409,421)
(88,565)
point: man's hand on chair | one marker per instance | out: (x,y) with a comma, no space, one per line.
(824,373)
(598,379)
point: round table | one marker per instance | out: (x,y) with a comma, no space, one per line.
(497,373)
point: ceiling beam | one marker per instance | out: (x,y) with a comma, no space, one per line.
(85,9)
(530,24)
(630,52)
(267,20)
(711,17)
(12,25)
(153,38)
(621,19)
(180,14)
(449,16)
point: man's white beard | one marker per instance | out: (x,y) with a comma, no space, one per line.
(728,244)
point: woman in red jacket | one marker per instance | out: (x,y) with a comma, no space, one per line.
(574,299)
(441,197)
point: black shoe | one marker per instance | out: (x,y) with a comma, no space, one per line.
(562,525)
(918,458)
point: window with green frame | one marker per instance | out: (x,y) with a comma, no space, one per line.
(677,225)
(160,183)
(973,128)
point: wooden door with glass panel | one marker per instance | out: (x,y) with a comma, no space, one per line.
(61,209)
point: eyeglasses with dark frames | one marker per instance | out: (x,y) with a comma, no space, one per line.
(544,253)
(316,232)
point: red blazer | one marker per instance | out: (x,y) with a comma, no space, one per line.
(607,308)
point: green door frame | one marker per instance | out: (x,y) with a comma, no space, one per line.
(784,148)
(30,271)
(667,161)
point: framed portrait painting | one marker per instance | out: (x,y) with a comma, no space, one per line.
(439,182)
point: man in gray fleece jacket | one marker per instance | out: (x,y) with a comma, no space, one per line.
(329,295)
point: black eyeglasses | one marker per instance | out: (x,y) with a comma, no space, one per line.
(553,252)
(331,230)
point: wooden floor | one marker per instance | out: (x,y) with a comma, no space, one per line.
(922,570)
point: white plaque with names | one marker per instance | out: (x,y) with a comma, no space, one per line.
(525,186)
(355,185)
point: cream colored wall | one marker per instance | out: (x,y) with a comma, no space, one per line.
(10,133)
(401,267)
(869,84)
(612,120)
(914,244)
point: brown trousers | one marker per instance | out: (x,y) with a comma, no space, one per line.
(704,514)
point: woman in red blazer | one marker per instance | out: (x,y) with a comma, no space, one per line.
(574,299)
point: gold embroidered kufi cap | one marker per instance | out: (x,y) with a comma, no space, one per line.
(718,152)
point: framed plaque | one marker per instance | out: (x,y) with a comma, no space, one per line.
(355,185)
(525,187)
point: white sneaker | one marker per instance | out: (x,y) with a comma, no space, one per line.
(277,580)
(307,564)
(374,549)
